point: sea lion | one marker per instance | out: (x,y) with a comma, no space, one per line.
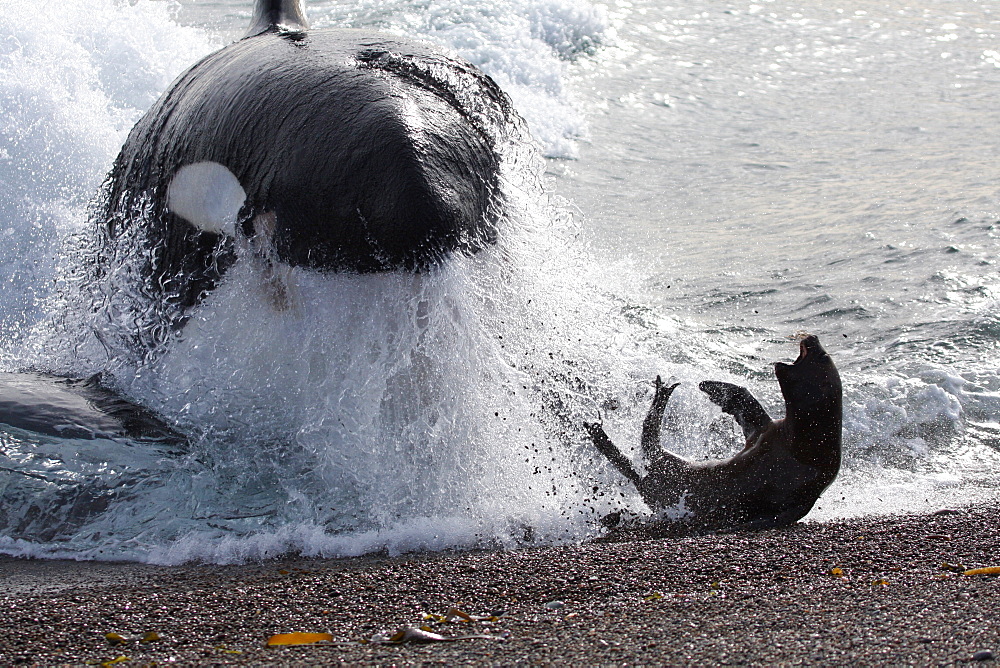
(333,150)
(783,468)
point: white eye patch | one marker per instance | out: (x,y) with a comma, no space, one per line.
(207,195)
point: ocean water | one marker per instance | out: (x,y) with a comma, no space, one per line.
(706,180)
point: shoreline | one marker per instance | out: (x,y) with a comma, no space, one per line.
(740,598)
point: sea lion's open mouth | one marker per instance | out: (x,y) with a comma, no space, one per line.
(807,344)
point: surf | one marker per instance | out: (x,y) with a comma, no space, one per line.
(401,412)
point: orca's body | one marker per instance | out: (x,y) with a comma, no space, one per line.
(333,150)
(69,408)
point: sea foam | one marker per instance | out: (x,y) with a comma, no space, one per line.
(389,412)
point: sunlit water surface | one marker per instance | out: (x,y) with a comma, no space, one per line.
(709,180)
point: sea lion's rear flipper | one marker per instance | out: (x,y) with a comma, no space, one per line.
(738,402)
(611,451)
(651,448)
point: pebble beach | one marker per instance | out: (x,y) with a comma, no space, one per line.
(870,591)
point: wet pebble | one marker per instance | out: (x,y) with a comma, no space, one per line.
(203,623)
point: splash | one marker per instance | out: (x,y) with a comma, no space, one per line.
(74,77)
(388,412)
(526,47)
(358,414)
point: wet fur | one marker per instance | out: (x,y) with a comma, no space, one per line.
(780,473)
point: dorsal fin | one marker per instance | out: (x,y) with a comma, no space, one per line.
(278,15)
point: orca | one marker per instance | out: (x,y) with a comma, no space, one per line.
(332,150)
(52,405)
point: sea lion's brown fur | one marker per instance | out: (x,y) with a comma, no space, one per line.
(783,468)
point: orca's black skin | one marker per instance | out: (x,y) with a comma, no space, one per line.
(277,15)
(361,151)
(780,473)
(69,408)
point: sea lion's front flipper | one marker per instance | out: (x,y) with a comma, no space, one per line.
(611,451)
(651,448)
(738,402)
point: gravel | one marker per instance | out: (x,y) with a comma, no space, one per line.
(881,591)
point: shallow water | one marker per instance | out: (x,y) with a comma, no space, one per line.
(716,178)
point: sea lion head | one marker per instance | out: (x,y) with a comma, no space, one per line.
(811,384)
